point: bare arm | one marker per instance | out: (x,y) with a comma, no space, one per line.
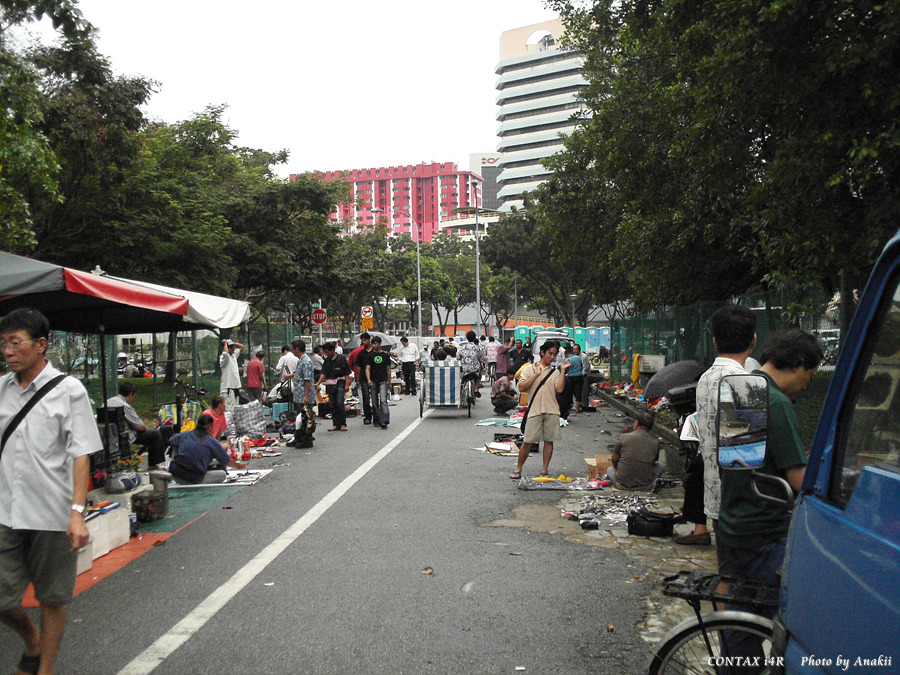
(77,531)
(795,476)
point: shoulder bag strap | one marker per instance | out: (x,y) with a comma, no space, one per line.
(43,391)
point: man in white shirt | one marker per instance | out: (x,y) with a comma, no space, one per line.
(287,364)
(231,376)
(409,356)
(44,477)
(136,430)
(734,337)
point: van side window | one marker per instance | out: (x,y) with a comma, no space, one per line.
(871,414)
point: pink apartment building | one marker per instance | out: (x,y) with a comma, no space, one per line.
(429,192)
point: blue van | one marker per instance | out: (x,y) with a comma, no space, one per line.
(840,596)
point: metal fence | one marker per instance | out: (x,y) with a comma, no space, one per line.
(684,332)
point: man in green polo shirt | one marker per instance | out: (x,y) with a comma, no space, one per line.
(754,531)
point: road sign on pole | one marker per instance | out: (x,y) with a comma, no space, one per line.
(367,313)
(319,316)
(367,323)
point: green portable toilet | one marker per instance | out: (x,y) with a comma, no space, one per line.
(523,333)
(534,330)
(568,331)
(581,338)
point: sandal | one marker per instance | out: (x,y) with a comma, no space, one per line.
(543,475)
(343,429)
(29,664)
(334,429)
(516,475)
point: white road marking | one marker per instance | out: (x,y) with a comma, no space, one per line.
(181,632)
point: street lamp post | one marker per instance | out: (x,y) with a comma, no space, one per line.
(572,297)
(418,262)
(468,210)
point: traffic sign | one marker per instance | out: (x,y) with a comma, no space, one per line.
(367,312)
(319,315)
(367,323)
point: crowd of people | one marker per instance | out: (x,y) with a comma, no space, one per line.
(42,494)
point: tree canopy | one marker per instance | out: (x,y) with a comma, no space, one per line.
(728,145)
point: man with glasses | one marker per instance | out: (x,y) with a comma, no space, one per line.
(44,471)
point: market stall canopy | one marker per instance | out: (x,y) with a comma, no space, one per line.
(90,303)
(203,309)
(85,303)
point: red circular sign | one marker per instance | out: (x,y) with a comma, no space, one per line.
(319,315)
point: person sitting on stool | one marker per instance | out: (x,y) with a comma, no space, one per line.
(635,459)
(138,432)
(195,450)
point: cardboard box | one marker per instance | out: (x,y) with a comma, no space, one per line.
(598,465)
(502,447)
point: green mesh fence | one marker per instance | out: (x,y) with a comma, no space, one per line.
(684,332)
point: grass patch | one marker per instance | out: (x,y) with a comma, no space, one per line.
(144,403)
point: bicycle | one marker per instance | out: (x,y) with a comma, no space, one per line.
(701,644)
(468,392)
(492,372)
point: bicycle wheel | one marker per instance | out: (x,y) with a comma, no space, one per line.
(696,649)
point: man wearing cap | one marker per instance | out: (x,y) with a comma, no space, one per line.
(231,376)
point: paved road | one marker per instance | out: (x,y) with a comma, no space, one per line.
(318,569)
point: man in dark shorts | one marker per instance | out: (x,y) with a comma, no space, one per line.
(43,487)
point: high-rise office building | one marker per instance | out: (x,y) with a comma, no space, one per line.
(537,85)
(427,192)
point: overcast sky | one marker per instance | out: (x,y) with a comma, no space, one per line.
(341,84)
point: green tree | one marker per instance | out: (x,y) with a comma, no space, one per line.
(729,144)
(28,166)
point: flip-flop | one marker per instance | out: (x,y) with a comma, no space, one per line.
(543,475)
(334,429)
(29,664)
(343,429)
(516,475)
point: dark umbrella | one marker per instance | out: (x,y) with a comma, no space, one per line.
(386,340)
(673,375)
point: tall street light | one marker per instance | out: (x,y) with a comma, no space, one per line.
(418,260)
(467,211)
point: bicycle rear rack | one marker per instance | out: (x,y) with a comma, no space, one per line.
(695,587)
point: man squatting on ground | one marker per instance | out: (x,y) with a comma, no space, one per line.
(635,459)
(543,382)
(43,487)
(135,428)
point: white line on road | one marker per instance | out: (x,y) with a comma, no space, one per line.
(181,632)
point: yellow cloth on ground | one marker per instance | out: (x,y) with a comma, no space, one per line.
(636,369)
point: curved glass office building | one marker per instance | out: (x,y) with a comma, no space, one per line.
(537,85)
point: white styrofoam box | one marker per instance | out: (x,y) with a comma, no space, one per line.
(118,527)
(99,536)
(85,558)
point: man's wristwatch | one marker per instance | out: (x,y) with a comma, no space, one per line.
(78,508)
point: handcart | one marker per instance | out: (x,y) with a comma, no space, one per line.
(441,386)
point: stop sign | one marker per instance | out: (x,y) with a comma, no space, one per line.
(319,316)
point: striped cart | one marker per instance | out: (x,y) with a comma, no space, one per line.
(441,385)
